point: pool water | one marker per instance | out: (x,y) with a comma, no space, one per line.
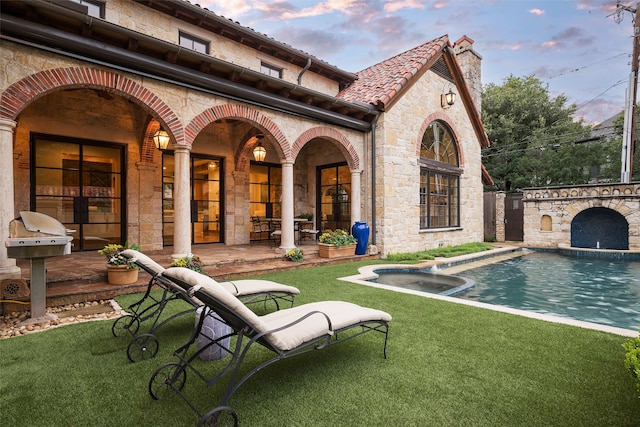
(593,290)
(424,281)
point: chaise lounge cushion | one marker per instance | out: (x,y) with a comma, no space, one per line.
(244,287)
(147,263)
(324,317)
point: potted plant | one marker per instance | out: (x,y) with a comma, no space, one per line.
(336,243)
(120,270)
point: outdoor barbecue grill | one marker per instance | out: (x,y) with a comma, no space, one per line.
(36,236)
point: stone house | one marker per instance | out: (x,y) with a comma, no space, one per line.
(87,87)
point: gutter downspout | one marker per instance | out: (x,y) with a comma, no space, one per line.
(374,230)
(304,70)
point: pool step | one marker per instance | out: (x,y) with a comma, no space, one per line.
(456,269)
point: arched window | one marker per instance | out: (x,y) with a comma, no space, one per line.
(439,178)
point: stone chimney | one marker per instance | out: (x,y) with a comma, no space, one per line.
(470,63)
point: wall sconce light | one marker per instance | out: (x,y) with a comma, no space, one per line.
(161,139)
(448,99)
(259,152)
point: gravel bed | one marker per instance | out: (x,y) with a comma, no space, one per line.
(18,323)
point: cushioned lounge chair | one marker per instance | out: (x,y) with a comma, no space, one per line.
(145,346)
(286,333)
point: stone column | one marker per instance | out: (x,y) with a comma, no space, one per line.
(149,207)
(356,207)
(181,204)
(287,239)
(8,268)
(500,231)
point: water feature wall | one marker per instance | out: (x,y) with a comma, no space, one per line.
(550,213)
(600,228)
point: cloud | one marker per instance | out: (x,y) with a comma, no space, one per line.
(228,8)
(347,7)
(568,38)
(536,11)
(393,6)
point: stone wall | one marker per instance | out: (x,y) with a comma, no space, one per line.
(560,205)
(398,171)
(103,113)
(155,24)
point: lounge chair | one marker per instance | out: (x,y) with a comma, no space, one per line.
(145,346)
(286,333)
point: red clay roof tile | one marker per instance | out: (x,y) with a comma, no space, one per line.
(378,84)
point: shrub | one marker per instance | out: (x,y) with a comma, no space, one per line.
(632,359)
(295,255)
(191,262)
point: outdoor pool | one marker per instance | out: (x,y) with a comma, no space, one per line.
(593,290)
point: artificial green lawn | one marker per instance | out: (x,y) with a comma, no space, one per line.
(448,365)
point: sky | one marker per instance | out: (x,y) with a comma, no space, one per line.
(577,48)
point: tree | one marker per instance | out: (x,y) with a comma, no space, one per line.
(534,138)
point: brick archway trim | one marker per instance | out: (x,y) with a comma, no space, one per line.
(242,112)
(443,118)
(345,145)
(21,93)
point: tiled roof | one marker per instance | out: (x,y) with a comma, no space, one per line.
(380,83)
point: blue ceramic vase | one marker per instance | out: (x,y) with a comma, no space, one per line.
(360,231)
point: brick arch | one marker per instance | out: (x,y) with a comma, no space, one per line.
(629,213)
(148,150)
(345,146)
(445,119)
(245,113)
(23,92)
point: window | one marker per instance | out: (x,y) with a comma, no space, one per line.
(439,179)
(270,70)
(94,8)
(194,43)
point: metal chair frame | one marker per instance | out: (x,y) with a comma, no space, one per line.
(145,346)
(171,377)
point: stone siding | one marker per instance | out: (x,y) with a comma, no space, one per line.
(562,204)
(398,171)
(164,27)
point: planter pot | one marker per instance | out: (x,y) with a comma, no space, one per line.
(360,231)
(333,251)
(121,275)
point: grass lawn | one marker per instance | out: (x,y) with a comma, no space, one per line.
(448,365)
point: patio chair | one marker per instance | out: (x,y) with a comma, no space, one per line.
(145,346)
(308,231)
(260,230)
(285,333)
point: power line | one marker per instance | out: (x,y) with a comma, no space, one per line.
(575,70)
(619,82)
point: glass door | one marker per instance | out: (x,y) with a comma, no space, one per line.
(81,184)
(206,199)
(265,190)
(334,197)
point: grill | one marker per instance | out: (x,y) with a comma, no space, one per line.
(37,236)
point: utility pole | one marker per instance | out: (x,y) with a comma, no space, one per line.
(628,134)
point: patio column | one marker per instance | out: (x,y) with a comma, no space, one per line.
(355,196)
(181,204)
(287,239)
(8,268)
